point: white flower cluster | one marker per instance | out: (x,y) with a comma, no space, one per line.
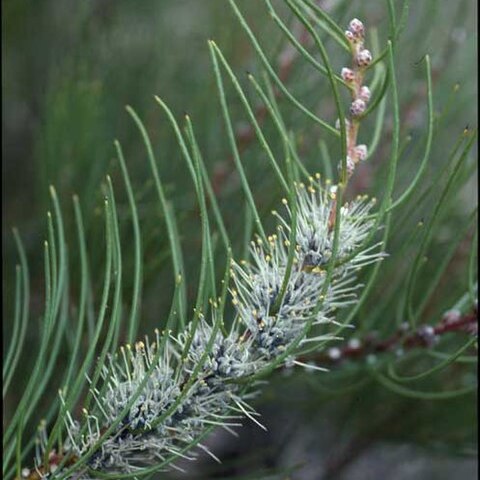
(274,323)
(186,384)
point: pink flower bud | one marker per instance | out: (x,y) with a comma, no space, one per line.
(348,75)
(357,107)
(451,316)
(350,166)
(356,27)
(361,152)
(364,58)
(350,36)
(364,93)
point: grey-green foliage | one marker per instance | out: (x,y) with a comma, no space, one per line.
(93,294)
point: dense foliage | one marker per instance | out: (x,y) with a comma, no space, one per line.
(146,245)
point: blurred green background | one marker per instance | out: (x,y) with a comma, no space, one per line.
(69,69)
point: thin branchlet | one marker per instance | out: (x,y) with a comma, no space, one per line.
(162,395)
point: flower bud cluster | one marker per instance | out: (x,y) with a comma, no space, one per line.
(353,77)
(362,58)
(355,34)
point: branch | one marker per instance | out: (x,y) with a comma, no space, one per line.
(423,337)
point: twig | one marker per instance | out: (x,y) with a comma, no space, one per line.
(423,337)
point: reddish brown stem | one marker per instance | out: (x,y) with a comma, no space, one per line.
(424,336)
